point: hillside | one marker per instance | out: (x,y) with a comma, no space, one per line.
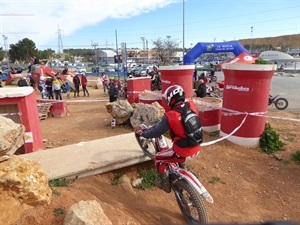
(279,42)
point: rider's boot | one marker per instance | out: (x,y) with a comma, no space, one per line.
(164,182)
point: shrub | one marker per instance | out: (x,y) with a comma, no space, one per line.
(269,141)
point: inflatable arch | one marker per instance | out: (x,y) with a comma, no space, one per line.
(213,47)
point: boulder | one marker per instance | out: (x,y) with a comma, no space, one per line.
(22,184)
(121,110)
(148,114)
(11,136)
(86,212)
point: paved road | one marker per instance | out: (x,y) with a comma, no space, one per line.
(288,86)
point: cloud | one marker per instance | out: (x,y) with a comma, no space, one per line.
(39,20)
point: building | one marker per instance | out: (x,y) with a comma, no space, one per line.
(106,57)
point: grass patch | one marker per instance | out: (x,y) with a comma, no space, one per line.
(56,192)
(214,180)
(59,183)
(148,178)
(214,134)
(117,179)
(296,156)
(59,211)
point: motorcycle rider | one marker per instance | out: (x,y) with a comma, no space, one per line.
(175,97)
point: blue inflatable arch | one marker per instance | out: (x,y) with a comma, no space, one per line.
(213,47)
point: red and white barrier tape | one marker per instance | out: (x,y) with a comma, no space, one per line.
(222,138)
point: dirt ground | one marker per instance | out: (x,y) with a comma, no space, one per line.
(252,187)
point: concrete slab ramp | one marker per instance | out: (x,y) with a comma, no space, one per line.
(89,158)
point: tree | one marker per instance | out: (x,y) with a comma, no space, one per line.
(2,54)
(46,54)
(22,51)
(165,50)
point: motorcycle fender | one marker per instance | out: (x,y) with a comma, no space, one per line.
(196,184)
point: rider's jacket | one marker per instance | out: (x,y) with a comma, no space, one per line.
(177,130)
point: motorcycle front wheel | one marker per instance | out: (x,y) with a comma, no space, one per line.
(148,146)
(190,202)
(281,103)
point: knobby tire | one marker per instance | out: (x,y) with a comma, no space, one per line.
(191,203)
(148,146)
(281,103)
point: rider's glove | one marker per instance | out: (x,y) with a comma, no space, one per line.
(139,132)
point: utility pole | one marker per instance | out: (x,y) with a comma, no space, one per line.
(143,39)
(168,49)
(94,45)
(251,40)
(59,40)
(147,50)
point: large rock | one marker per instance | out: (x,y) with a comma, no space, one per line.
(22,184)
(85,213)
(11,136)
(121,110)
(148,114)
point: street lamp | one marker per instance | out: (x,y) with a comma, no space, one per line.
(251,40)
(6,49)
(143,39)
(168,47)
(183,31)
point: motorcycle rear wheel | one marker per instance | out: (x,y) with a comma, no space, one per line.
(148,146)
(191,203)
(281,103)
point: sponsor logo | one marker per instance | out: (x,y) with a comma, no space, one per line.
(166,81)
(237,88)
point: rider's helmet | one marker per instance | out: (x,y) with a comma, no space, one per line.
(173,95)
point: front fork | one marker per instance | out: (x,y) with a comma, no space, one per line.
(193,181)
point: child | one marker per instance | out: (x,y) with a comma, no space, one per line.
(68,89)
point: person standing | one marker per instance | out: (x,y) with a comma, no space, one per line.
(201,90)
(68,89)
(104,79)
(57,84)
(76,82)
(84,85)
(113,90)
(48,85)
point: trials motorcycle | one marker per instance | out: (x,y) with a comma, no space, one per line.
(190,194)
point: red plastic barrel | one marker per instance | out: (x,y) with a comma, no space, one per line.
(246,91)
(180,75)
(148,97)
(210,113)
(135,86)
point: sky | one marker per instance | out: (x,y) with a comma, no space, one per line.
(63,24)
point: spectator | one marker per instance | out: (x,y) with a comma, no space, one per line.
(57,84)
(48,85)
(104,79)
(84,84)
(12,70)
(113,90)
(65,70)
(42,88)
(68,89)
(201,90)
(31,63)
(76,82)
(22,82)
(32,83)
(117,82)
